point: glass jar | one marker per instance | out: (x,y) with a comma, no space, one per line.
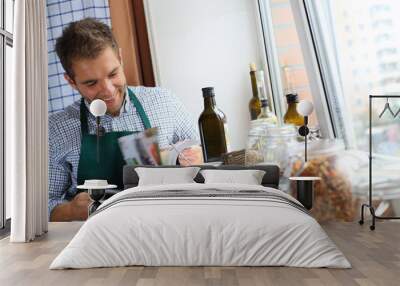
(272,144)
(255,143)
(333,199)
(282,145)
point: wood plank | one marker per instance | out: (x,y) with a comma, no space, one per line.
(375,257)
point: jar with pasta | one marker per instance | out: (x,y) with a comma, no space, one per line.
(333,199)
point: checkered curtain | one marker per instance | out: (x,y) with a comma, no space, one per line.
(59,14)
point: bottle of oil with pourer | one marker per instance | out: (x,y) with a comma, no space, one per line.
(291,116)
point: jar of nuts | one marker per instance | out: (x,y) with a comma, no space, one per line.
(333,199)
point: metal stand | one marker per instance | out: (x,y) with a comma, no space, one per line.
(304,131)
(369,205)
(305,190)
(305,193)
(96,195)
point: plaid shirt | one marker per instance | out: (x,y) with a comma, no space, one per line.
(164,110)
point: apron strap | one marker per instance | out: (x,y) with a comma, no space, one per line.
(140,109)
(84,122)
(142,114)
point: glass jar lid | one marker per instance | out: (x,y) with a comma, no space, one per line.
(285,130)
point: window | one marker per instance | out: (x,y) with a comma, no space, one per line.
(321,31)
(382,52)
(384,63)
(290,58)
(388,67)
(383,37)
(6,44)
(349,50)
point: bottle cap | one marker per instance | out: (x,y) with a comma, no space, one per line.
(208,91)
(253,67)
(292,97)
(264,102)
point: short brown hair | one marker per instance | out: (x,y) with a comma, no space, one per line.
(84,39)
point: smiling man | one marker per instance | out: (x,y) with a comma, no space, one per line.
(93,66)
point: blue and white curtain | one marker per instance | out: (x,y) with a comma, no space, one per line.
(59,14)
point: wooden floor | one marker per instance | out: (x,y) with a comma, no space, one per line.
(374,255)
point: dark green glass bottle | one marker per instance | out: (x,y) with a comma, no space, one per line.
(213,128)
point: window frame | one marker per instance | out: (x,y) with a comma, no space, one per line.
(311,62)
(315,67)
(6,39)
(333,86)
(270,59)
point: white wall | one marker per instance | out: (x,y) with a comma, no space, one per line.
(199,43)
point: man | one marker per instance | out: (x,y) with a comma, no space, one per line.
(93,66)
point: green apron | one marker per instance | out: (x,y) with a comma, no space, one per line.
(111,161)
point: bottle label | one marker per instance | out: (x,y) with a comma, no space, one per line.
(226,131)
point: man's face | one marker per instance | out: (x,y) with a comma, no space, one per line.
(100,78)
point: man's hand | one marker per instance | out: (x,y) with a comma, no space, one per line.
(79,206)
(77,209)
(191,156)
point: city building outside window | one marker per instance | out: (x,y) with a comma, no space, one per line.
(363,59)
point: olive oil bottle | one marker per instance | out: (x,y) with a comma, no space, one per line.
(255,103)
(292,116)
(213,128)
(266,115)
